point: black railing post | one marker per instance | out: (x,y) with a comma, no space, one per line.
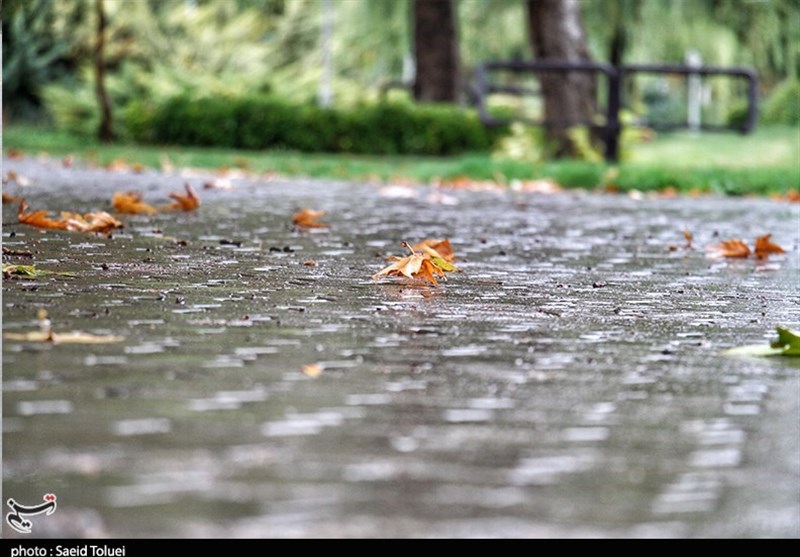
(752,100)
(613,127)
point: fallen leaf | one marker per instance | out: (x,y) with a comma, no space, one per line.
(407,266)
(15,153)
(218,184)
(8,198)
(730,248)
(131,203)
(16,253)
(310,263)
(117,165)
(99,222)
(689,237)
(307,218)
(12,176)
(787,344)
(764,247)
(45,334)
(687,246)
(39,219)
(188,202)
(30,271)
(72,337)
(436,248)
(312,370)
(416,265)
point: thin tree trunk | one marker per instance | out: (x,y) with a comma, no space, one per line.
(436,51)
(556,33)
(105,132)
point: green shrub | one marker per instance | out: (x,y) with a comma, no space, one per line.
(75,111)
(783,104)
(137,121)
(263,122)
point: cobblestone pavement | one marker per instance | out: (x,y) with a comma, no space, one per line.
(569,382)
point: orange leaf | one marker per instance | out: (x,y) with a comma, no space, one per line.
(689,237)
(731,248)
(307,218)
(437,248)
(39,219)
(312,370)
(428,269)
(131,203)
(416,265)
(188,202)
(764,247)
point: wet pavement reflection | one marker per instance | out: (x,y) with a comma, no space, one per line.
(568,382)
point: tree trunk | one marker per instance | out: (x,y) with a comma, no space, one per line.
(556,33)
(105,132)
(436,51)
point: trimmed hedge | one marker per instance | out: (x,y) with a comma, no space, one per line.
(269,123)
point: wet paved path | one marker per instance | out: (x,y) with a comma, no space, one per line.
(568,383)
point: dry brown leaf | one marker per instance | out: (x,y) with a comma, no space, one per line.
(188,202)
(8,198)
(406,266)
(764,247)
(72,337)
(312,370)
(15,153)
(730,248)
(117,165)
(218,184)
(39,219)
(45,334)
(20,180)
(416,265)
(687,246)
(131,203)
(99,222)
(307,218)
(436,248)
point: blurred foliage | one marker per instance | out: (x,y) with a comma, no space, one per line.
(159,50)
(36,51)
(783,105)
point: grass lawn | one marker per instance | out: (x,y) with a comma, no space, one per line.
(767,162)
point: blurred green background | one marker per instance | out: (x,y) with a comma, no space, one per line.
(300,87)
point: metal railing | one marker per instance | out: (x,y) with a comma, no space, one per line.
(611,127)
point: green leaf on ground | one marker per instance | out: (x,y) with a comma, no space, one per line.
(788,344)
(30,271)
